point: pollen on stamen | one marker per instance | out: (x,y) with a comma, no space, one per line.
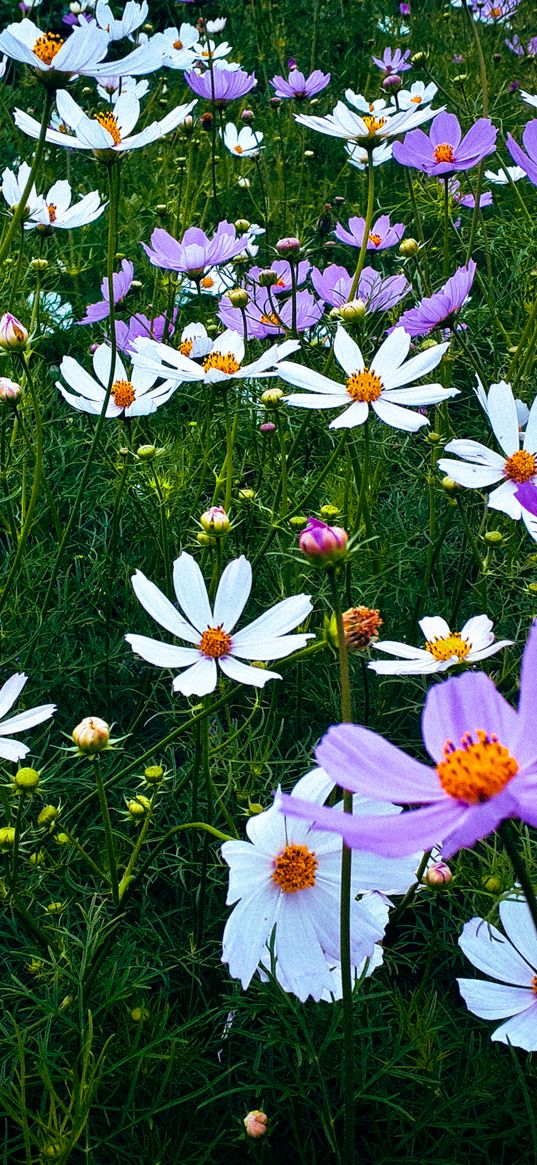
(46,47)
(271,319)
(364,386)
(207,282)
(375,239)
(223,361)
(373,124)
(478,770)
(177,44)
(215,642)
(186,347)
(51,212)
(238,149)
(444,153)
(123,393)
(521,466)
(444,648)
(295,868)
(109,122)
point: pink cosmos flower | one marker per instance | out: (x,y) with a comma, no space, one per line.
(333,285)
(299,86)
(445,150)
(381,235)
(220,85)
(485,759)
(393,61)
(196,253)
(439,309)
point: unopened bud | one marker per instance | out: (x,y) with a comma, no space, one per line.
(247,116)
(140,1014)
(215,521)
(146,452)
(244,183)
(161,207)
(491,883)
(7,837)
(154,774)
(408,247)
(91,735)
(392,83)
(289,247)
(256,1123)
(433,438)
(268,428)
(438,875)
(242,225)
(55,907)
(238,297)
(9,390)
(417,58)
(275,102)
(329,512)
(206,121)
(354,310)
(460,78)
(26,780)
(322,543)
(13,334)
(39,264)
(138,806)
(246,495)
(47,815)
(493,537)
(298,521)
(267,278)
(272,397)
(449,485)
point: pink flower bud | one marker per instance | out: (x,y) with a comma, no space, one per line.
(325,544)
(392,83)
(215,521)
(256,1123)
(9,389)
(438,875)
(289,247)
(247,116)
(13,334)
(267,427)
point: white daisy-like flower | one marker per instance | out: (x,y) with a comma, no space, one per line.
(530,99)
(513,961)
(285,882)
(106,133)
(195,341)
(419,94)
(480,466)
(13,185)
(56,212)
(211,630)
(112,88)
(361,103)
(501,177)
(361,158)
(380,385)
(47,52)
(443,648)
(344,123)
(10,749)
(522,410)
(132,396)
(244,143)
(209,50)
(132,17)
(216,25)
(222,363)
(215,282)
(178,43)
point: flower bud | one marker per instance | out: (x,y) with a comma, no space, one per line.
(13,334)
(418,58)
(256,1123)
(205,539)
(55,907)
(161,207)
(268,427)
(238,297)
(9,390)
(154,774)
(449,485)
(408,247)
(247,116)
(298,521)
(323,544)
(25,780)
(138,806)
(493,537)
(38,264)
(246,495)
(244,183)
(392,83)
(438,875)
(187,125)
(215,521)
(272,397)
(354,310)
(47,815)
(491,883)
(242,225)
(275,102)
(7,837)
(91,735)
(433,438)
(267,278)
(140,1014)
(289,247)
(146,452)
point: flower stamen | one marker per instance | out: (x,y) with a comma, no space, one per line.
(478,770)
(444,647)
(46,47)
(364,386)
(373,124)
(294,868)
(444,153)
(51,212)
(123,393)
(223,361)
(520,466)
(375,239)
(109,122)
(215,642)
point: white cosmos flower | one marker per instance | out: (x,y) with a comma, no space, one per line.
(177,46)
(211,631)
(418,94)
(113,87)
(443,648)
(13,185)
(530,99)
(522,410)
(344,123)
(374,108)
(381,384)
(360,157)
(501,177)
(132,397)
(57,213)
(480,466)
(132,17)
(223,362)
(105,133)
(11,749)
(195,341)
(47,52)
(286,879)
(244,143)
(217,25)
(513,961)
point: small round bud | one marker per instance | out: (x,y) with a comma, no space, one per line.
(267,278)
(38,264)
(256,1123)
(438,875)
(272,398)
(215,521)
(433,438)
(139,1014)
(268,428)
(238,297)
(246,495)
(13,334)
(275,102)
(247,116)
(492,883)
(493,537)
(254,808)
(335,313)
(9,390)
(26,780)
(309,153)
(288,247)
(460,78)
(532,588)
(205,539)
(392,83)
(354,310)
(161,207)
(37,858)
(47,815)
(244,183)
(408,247)
(322,543)
(138,806)
(154,774)
(7,837)
(91,735)
(146,452)
(329,512)
(418,58)
(62,838)
(298,521)
(449,485)
(55,907)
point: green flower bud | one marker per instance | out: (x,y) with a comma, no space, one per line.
(26,780)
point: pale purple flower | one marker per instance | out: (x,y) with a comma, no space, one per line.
(393,61)
(121,282)
(485,759)
(467,200)
(527,161)
(299,86)
(494,11)
(333,285)
(445,150)
(196,253)
(221,85)
(381,235)
(266,318)
(512,961)
(141,325)
(439,309)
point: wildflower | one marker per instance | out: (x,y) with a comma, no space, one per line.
(141,325)
(512,959)
(10,391)
(215,521)
(132,17)
(177,44)
(360,158)
(361,626)
(132,396)
(526,161)
(485,769)
(121,284)
(418,94)
(221,85)
(443,648)
(13,334)
(195,254)
(438,874)
(372,127)
(480,466)
(80,54)
(223,362)
(466,200)
(381,235)
(494,11)
(285,882)
(333,285)
(212,631)
(106,133)
(256,1123)
(112,88)
(298,86)
(13,185)
(440,308)
(380,385)
(264,319)
(278,278)
(56,212)
(322,543)
(393,61)
(445,150)
(244,142)
(10,749)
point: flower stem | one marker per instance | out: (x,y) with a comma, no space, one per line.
(107,824)
(367,227)
(21,207)
(36,485)
(508,834)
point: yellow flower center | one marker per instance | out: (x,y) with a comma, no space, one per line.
(109,122)
(416,100)
(271,319)
(375,239)
(534,984)
(215,642)
(123,393)
(364,385)
(238,149)
(177,44)
(224,361)
(294,869)
(207,282)
(520,466)
(51,212)
(373,124)
(443,153)
(478,770)
(444,648)
(46,47)
(186,347)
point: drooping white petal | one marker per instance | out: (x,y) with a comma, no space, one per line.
(356,414)
(283,617)
(10,691)
(397,417)
(198,680)
(256,677)
(29,719)
(12,749)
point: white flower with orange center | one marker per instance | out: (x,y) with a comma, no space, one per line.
(10,749)
(243,143)
(480,466)
(371,127)
(419,94)
(106,133)
(211,630)
(379,384)
(443,648)
(79,53)
(131,395)
(510,958)
(284,883)
(223,363)
(57,213)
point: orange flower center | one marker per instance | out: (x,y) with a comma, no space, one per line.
(46,47)
(495,13)
(375,239)
(271,319)
(51,212)
(294,869)
(364,385)
(207,281)
(123,393)
(534,984)
(224,361)
(186,347)
(109,122)
(238,149)
(177,44)
(444,648)
(416,100)
(443,153)
(361,625)
(478,770)
(373,124)
(520,466)
(215,642)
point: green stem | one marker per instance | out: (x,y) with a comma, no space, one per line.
(107,825)
(367,227)
(508,834)
(36,483)
(21,207)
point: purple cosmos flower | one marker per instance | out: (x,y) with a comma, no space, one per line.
(220,85)
(405,9)
(393,61)
(263,319)
(445,150)
(195,253)
(299,86)
(467,200)
(439,308)
(121,282)
(141,325)
(528,162)
(333,285)
(381,235)
(526,494)
(485,758)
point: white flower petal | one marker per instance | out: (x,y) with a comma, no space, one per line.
(434,627)
(502,414)
(246,932)
(255,677)
(233,593)
(391,355)
(12,750)
(496,1000)
(162,654)
(397,417)
(29,719)
(490,951)
(10,691)
(356,414)
(159,607)
(347,353)
(198,680)
(278,620)
(191,591)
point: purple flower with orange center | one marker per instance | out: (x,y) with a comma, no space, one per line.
(381,235)
(445,150)
(220,85)
(438,310)
(485,769)
(333,285)
(298,86)
(195,253)
(264,317)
